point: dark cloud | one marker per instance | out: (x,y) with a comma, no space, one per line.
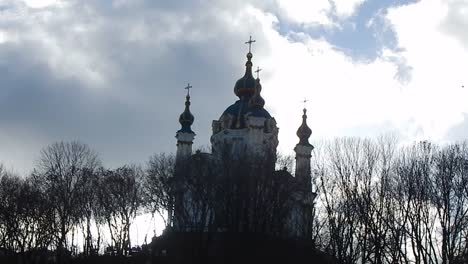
(112,75)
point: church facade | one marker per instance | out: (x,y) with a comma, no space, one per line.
(236,188)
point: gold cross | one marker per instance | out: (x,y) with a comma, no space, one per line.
(250,43)
(188,89)
(258,72)
(305,102)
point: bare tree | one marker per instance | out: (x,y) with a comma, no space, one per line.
(158,186)
(24,216)
(120,199)
(448,182)
(62,173)
(10,214)
(232,195)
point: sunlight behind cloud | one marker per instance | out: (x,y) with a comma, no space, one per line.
(345,8)
(40,3)
(318,11)
(306,12)
(3,37)
(439,63)
(414,89)
(342,93)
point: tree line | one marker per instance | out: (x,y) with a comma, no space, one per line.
(70,192)
(378,201)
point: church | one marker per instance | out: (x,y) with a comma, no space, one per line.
(236,188)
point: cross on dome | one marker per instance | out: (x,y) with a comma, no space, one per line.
(250,43)
(258,72)
(186,118)
(305,102)
(188,87)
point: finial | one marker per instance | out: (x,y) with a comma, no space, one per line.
(188,87)
(250,43)
(305,103)
(186,118)
(256,100)
(258,72)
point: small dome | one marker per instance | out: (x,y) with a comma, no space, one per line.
(304,132)
(186,118)
(245,86)
(256,101)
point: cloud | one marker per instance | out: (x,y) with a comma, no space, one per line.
(111,73)
(40,3)
(438,61)
(318,12)
(413,86)
(459,131)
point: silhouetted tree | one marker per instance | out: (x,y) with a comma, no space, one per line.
(120,199)
(62,174)
(233,195)
(158,186)
(449,181)
(377,202)
(25,216)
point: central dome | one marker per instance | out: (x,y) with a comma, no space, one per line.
(245,86)
(242,108)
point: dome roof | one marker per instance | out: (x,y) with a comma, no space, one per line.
(245,86)
(257,101)
(186,118)
(242,107)
(251,102)
(304,132)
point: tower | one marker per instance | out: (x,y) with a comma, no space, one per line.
(303,209)
(185,135)
(246,129)
(303,153)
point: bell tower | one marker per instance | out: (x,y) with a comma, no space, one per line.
(303,153)
(185,135)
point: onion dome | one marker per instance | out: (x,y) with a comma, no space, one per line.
(256,103)
(186,118)
(245,86)
(304,131)
(256,100)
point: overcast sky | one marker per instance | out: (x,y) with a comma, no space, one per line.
(111,73)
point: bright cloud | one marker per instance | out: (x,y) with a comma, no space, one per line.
(137,52)
(439,62)
(40,3)
(415,90)
(346,8)
(318,11)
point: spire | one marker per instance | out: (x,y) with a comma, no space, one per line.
(245,86)
(304,131)
(186,118)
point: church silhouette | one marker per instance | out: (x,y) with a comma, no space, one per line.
(233,201)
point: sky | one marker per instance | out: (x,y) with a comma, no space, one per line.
(112,73)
